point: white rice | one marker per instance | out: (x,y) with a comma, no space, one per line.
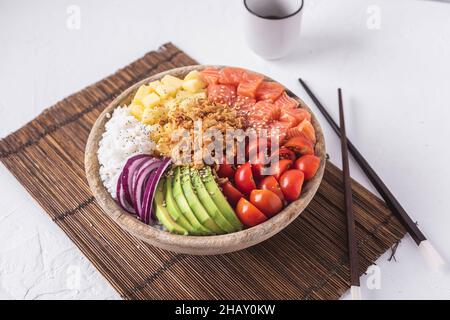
(124,137)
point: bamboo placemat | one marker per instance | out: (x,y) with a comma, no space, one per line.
(305,261)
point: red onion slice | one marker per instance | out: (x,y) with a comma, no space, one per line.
(137,170)
(137,184)
(140,186)
(147,203)
(127,173)
(121,199)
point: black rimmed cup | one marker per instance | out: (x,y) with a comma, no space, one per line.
(272,26)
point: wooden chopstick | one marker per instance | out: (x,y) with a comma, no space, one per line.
(428,251)
(351,234)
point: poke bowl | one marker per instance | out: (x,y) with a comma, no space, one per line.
(201,194)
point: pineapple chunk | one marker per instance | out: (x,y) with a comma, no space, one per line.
(136,110)
(151,100)
(193,85)
(193,75)
(141,93)
(165,91)
(172,81)
(153,115)
(154,84)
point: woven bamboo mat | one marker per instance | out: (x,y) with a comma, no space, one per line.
(305,261)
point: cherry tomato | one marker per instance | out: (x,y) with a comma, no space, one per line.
(243,178)
(266,201)
(226,171)
(231,193)
(280,167)
(257,170)
(308,164)
(270,183)
(300,145)
(258,164)
(249,215)
(283,153)
(291,184)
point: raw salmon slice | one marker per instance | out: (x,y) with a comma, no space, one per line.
(289,119)
(242,105)
(269,90)
(210,75)
(259,115)
(221,93)
(229,75)
(266,110)
(282,129)
(285,102)
(305,128)
(249,84)
(294,116)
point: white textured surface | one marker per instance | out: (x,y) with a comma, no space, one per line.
(395,84)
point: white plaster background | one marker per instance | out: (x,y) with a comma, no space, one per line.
(395,82)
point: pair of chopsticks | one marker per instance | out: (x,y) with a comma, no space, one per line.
(432,257)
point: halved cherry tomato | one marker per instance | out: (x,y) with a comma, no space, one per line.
(283,153)
(278,168)
(226,171)
(243,178)
(249,215)
(231,193)
(270,183)
(291,183)
(308,164)
(300,145)
(266,201)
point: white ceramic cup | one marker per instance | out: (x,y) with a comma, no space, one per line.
(272,26)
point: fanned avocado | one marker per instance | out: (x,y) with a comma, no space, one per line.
(218,198)
(173,209)
(163,215)
(183,205)
(195,204)
(208,203)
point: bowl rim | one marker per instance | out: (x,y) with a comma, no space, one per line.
(188,243)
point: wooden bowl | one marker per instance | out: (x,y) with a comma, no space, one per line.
(198,245)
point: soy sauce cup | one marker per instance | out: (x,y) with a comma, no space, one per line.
(272,27)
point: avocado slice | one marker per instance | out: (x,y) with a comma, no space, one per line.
(195,204)
(163,215)
(183,205)
(173,209)
(209,204)
(218,198)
